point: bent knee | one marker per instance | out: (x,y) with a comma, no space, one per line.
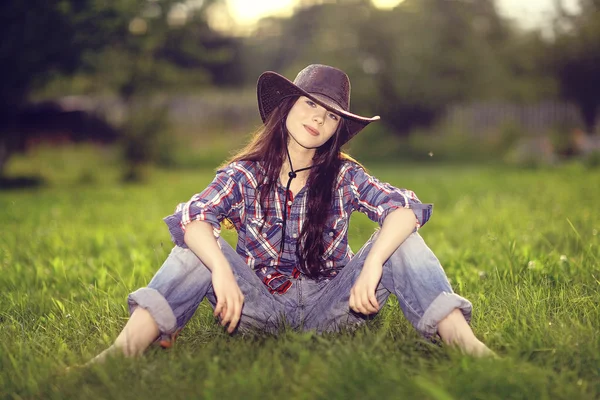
(181,268)
(413,252)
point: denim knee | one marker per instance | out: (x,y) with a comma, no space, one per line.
(414,274)
(175,291)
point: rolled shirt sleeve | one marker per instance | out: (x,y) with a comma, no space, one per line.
(377,199)
(218,201)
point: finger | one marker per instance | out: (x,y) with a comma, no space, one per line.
(219,307)
(374,302)
(230,310)
(352,303)
(236,316)
(361,309)
(367,304)
(359,305)
(223,312)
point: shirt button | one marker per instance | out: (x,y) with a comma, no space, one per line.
(264,235)
(295,235)
(289,202)
(330,233)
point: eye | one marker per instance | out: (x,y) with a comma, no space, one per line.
(333,117)
(311,103)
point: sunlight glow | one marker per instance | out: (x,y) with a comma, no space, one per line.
(243,14)
(247,12)
(386,4)
(533,13)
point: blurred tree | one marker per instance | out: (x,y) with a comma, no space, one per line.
(407,63)
(40,38)
(128,47)
(576,58)
(437,52)
(167,45)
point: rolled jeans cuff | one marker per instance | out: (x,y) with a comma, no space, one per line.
(158,307)
(439,309)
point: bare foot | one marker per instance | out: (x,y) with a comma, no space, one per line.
(455,331)
(100,358)
(474,347)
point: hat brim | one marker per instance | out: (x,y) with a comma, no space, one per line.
(272,88)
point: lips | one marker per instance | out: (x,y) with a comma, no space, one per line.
(311,130)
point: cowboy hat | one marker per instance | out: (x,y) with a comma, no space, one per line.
(325,85)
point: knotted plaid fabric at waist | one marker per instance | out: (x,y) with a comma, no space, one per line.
(279,279)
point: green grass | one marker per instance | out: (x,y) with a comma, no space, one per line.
(522,245)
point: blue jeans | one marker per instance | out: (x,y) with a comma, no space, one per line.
(412,273)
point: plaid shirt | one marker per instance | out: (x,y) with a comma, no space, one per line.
(234,194)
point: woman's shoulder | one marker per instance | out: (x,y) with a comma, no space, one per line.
(242,171)
(349,168)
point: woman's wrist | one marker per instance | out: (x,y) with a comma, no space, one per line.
(373,260)
(220,266)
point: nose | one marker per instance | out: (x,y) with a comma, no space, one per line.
(319,116)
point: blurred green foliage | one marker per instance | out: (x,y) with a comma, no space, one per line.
(130,48)
(123,46)
(145,138)
(408,64)
(575,57)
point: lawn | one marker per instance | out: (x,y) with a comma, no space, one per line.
(522,245)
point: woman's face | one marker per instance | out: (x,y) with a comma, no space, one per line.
(309,124)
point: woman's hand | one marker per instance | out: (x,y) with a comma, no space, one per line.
(200,239)
(229,297)
(362,294)
(397,226)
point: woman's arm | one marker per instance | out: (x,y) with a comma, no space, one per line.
(200,239)
(397,226)
(222,198)
(377,199)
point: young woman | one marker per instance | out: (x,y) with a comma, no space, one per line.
(290,194)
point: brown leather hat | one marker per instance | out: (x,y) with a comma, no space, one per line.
(325,85)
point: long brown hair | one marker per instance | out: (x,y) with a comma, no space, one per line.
(268,146)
